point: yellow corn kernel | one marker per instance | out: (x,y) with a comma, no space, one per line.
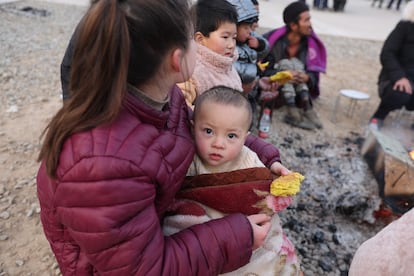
(281,77)
(286,185)
(262,66)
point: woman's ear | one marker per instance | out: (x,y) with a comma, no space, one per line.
(176,58)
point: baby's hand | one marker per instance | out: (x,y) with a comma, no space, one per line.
(278,169)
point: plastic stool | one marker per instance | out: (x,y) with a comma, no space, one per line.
(354,97)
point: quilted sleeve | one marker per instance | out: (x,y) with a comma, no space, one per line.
(267,152)
(119,230)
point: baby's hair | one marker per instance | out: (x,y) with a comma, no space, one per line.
(224,95)
(208,15)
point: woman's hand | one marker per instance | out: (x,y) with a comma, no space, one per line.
(403,85)
(278,169)
(261,225)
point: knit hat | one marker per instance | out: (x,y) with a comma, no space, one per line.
(245,10)
(292,11)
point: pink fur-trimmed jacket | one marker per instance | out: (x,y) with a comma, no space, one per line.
(211,70)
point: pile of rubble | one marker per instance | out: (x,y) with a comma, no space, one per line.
(335,210)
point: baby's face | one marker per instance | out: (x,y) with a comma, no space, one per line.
(220,131)
(223,40)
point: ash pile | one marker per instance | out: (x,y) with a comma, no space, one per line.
(334,211)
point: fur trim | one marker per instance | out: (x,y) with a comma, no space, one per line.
(408,12)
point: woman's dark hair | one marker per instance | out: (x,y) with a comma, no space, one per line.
(208,15)
(118,42)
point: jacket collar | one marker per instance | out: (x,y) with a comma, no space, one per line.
(149,115)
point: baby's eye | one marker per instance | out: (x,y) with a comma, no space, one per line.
(232,135)
(208,130)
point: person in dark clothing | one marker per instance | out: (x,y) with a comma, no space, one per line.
(397,7)
(396,78)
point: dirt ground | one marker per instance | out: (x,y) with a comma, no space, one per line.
(352,64)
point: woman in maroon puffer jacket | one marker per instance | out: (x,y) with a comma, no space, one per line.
(117,152)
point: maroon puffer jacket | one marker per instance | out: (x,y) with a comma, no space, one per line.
(103,214)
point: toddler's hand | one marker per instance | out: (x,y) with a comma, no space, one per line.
(253,42)
(261,225)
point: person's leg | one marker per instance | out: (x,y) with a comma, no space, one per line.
(302,90)
(398,5)
(309,112)
(391,100)
(410,106)
(390,4)
(410,103)
(288,91)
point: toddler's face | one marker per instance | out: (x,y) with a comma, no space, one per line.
(222,41)
(220,131)
(243,32)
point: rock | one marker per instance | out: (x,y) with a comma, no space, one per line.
(5,215)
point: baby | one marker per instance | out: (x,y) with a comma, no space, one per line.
(226,176)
